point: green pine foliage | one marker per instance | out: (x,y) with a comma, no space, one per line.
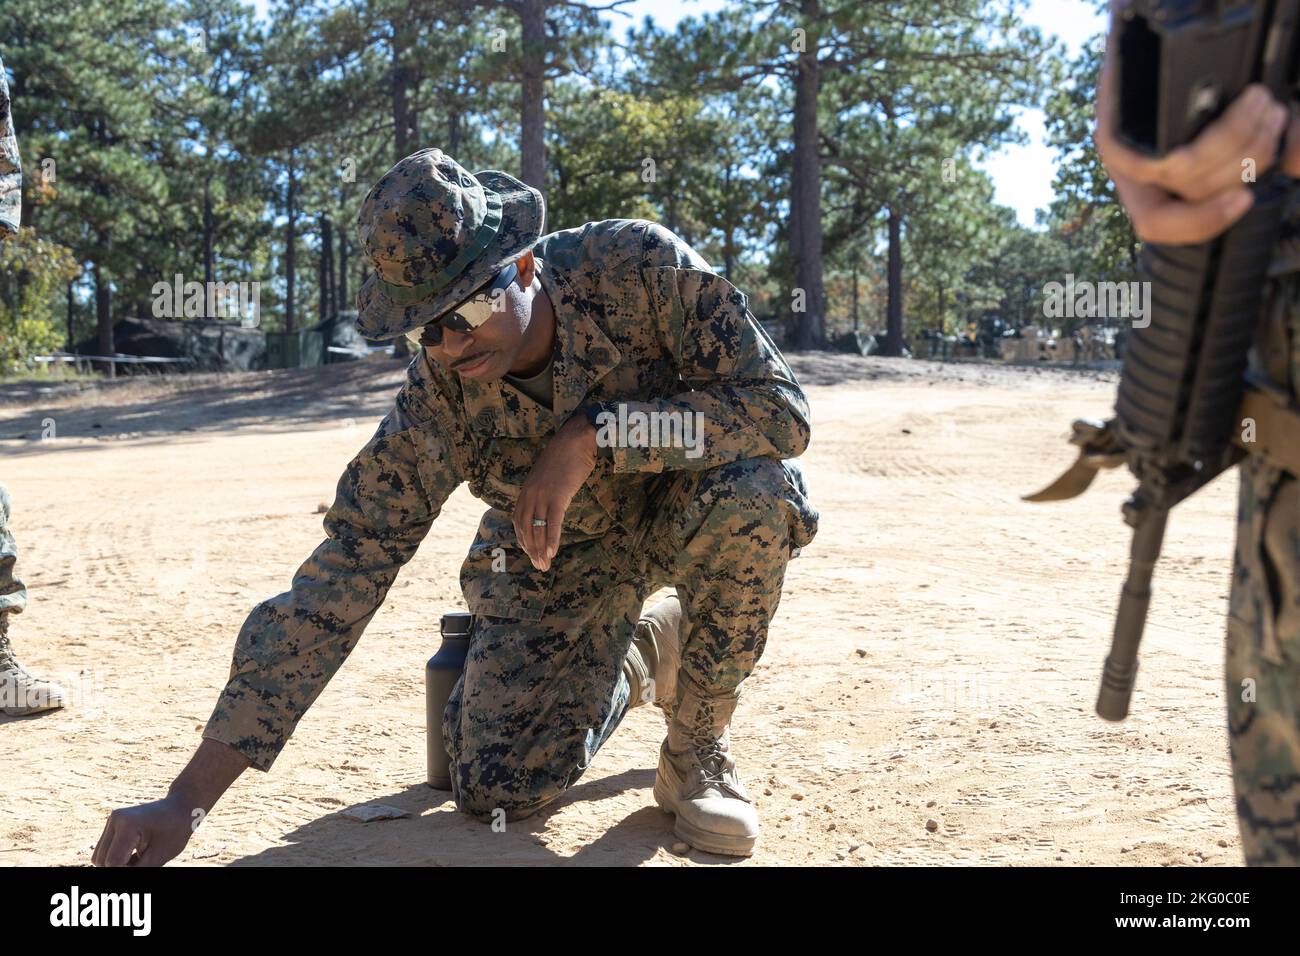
(191,136)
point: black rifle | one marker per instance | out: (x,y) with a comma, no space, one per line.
(1180,63)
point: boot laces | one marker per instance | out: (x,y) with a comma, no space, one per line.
(8,662)
(709,750)
(713,763)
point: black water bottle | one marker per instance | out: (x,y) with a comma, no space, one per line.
(440,676)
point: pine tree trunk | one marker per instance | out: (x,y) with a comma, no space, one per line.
(207,231)
(290,243)
(532,105)
(322,272)
(855,298)
(103,311)
(810,329)
(894,308)
(331,278)
(103,287)
(729,231)
(343,271)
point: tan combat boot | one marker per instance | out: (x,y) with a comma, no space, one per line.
(652,660)
(697,778)
(21,694)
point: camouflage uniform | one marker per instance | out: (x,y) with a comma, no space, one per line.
(640,319)
(1263,643)
(21,694)
(11,172)
(13,596)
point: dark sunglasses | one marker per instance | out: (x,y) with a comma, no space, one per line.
(470,314)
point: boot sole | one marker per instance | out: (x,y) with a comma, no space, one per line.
(722,844)
(30,713)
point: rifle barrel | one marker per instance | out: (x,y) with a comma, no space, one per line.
(1121,664)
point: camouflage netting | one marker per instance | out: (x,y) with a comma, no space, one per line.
(341,332)
(214,346)
(856,341)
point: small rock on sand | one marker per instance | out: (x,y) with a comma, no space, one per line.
(367,812)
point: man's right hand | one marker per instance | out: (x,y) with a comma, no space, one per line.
(1196,191)
(147,835)
(153,833)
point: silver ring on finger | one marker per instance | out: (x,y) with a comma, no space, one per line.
(539,522)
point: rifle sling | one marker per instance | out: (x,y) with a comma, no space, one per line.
(1277,430)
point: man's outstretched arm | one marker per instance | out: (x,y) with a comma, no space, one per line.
(158,831)
(291,645)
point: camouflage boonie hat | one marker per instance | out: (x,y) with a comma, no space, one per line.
(434,234)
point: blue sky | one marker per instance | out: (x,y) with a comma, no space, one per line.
(1022,175)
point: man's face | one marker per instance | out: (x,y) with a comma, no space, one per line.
(489,351)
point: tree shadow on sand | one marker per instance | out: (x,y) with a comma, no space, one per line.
(279,400)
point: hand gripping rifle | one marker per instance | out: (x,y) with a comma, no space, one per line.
(1183,375)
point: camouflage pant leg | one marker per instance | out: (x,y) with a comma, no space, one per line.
(1263,666)
(541,691)
(13,596)
(543,687)
(724,541)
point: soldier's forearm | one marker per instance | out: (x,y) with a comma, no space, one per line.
(210,772)
(703,429)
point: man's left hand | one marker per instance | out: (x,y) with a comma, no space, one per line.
(556,476)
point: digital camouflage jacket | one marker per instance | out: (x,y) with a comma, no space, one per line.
(641,319)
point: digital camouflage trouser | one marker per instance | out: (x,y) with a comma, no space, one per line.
(544,689)
(13,596)
(1263,645)
(1263,665)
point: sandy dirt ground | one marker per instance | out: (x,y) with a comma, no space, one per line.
(925,698)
